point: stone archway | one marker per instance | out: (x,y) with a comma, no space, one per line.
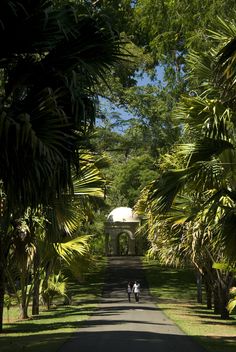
(120,220)
(123,243)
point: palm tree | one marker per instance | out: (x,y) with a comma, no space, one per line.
(60,226)
(208,163)
(52,54)
(47,103)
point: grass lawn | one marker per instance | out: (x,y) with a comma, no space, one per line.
(50,329)
(175,291)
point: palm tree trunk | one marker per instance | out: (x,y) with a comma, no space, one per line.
(216,300)
(2,285)
(48,302)
(224,283)
(4,249)
(35,305)
(223,299)
(46,298)
(23,305)
(23,311)
(199,287)
(208,289)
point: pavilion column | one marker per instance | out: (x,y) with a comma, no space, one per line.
(114,245)
(106,243)
(131,246)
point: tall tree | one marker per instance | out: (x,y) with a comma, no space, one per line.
(51,56)
(209,160)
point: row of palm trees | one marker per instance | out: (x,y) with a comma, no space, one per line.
(190,208)
(53,53)
(47,245)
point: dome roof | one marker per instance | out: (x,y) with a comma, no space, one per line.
(123,214)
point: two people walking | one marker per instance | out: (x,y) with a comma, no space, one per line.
(135,288)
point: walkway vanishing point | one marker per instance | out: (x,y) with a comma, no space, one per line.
(120,326)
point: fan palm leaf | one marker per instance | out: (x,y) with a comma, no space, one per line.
(225,68)
(48,92)
(89,182)
(66,250)
(210,116)
(200,68)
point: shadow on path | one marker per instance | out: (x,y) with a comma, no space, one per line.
(118,325)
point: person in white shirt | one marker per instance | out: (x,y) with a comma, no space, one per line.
(136,290)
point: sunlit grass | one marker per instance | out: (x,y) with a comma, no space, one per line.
(50,329)
(175,291)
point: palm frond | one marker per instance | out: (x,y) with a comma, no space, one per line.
(231,305)
(67,250)
(204,114)
(184,209)
(88,182)
(201,176)
(205,150)
(226,231)
(162,192)
(226,30)
(50,61)
(225,71)
(201,73)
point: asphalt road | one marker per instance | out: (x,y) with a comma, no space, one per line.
(120,326)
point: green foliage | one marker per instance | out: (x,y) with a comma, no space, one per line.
(57,323)
(232,302)
(190,208)
(170,27)
(174,290)
(224,266)
(123,244)
(56,285)
(8,301)
(208,162)
(76,245)
(48,100)
(132,177)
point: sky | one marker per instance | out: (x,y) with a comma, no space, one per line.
(113,112)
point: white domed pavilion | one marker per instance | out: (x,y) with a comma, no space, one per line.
(121,220)
(123,214)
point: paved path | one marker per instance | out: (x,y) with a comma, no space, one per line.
(119,326)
